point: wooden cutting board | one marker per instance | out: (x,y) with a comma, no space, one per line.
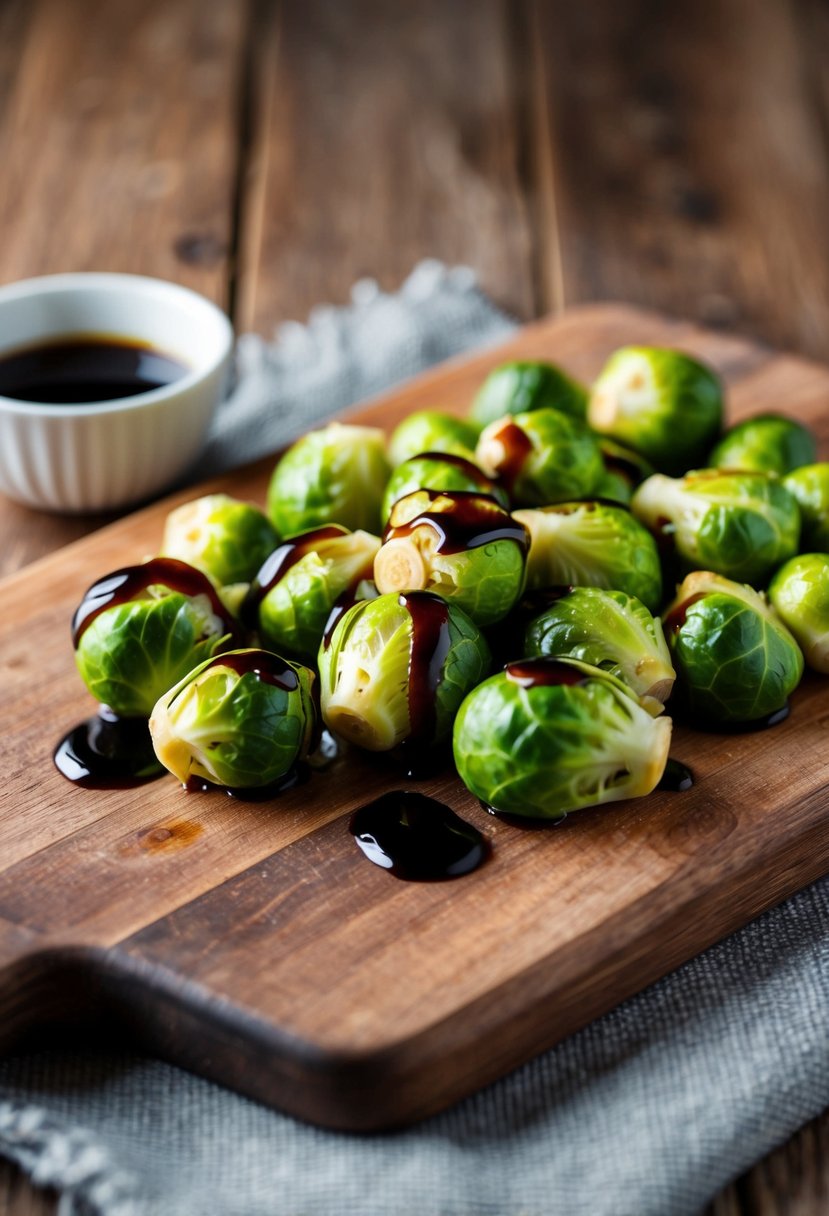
(254,944)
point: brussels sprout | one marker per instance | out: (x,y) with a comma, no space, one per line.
(736,661)
(291,598)
(810,487)
(396,668)
(624,470)
(549,736)
(140,629)
(334,475)
(592,544)
(225,538)
(799,592)
(739,524)
(541,457)
(661,403)
(517,388)
(609,630)
(432,431)
(465,547)
(438,471)
(241,719)
(768,443)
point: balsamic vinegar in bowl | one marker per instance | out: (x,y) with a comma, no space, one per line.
(86,368)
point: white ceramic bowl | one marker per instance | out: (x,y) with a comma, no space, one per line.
(104,454)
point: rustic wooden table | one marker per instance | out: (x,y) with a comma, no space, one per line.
(268,154)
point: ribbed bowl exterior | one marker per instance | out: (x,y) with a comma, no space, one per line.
(105,459)
(87,456)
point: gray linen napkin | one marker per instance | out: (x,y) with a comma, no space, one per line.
(646,1112)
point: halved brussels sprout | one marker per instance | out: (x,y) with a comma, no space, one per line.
(334,475)
(768,443)
(661,403)
(432,431)
(799,592)
(624,470)
(396,668)
(609,630)
(549,736)
(225,538)
(438,471)
(810,487)
(541,457)
(241,719)
(521,386)
(291,598)
(464,547)
(140,629)
(592,544)
(742,525)
(736,661)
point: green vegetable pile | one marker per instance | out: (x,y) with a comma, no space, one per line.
(550,528)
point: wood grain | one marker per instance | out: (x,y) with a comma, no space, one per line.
(202,925)
(411,152)
(681,160)
(119,146)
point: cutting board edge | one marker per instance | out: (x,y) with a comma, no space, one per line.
(400,1083)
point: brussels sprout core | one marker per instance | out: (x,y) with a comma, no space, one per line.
(550,736)
(463,546)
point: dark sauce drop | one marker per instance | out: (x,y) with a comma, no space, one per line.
(86,369)
(417,838)
(474,520)
(107,753)
(265,665)
(465,466)
(528,822)
(676,618)
(126,584)
(532,673)
(295,776)
(677,777)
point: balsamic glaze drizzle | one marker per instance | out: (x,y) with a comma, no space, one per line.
(127,584)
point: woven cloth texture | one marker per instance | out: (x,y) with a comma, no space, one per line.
(648,1111)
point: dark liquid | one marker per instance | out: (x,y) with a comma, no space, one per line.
(530,822)
(532,673)
(465,466)
(472,521)
(252,793)
(677,777)
(108,753)
(517,446)
(86,369)
(417,838)
(128,583)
